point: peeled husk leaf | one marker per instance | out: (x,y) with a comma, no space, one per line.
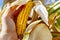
(37,32)
(41,32)
(52,18)
(2,12)
(35,16)
(19,2)
(41,11)
(29,29)
(57,23)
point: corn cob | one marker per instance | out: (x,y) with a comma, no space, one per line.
(23,17)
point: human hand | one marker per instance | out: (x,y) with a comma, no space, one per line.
(8,31)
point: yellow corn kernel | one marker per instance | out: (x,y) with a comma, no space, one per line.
(23,17)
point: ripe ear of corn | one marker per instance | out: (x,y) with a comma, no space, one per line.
(23,17)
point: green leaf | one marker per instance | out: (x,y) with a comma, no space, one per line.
(54,35)
(52,10)
(54,7)
(58,12)
(57,23)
